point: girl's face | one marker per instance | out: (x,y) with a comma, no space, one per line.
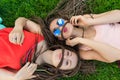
(61,26)
(70,59)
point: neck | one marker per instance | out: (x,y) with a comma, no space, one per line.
(77,32)
(45,57)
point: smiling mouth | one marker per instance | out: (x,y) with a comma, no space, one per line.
(60,56)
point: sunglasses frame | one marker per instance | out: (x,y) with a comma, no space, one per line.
(60,31)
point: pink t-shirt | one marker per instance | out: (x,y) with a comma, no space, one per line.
(108,34)
(11,54)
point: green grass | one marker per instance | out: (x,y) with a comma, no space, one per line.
(12,9)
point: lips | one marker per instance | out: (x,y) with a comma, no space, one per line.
(65,29)
(60,56)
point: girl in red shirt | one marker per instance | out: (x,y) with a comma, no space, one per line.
(24,44)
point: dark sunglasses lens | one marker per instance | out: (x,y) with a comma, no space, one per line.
(57,32)
(60,22)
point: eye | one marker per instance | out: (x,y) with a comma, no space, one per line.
(67,62)
(67,53)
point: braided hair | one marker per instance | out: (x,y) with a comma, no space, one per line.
(49,72)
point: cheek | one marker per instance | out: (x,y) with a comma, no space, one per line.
(55,59)
(63,66)
(74,61)
(70,28)
(69,32)
(50,29)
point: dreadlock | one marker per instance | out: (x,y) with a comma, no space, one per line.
(49,72)
(46,71)
(66,9)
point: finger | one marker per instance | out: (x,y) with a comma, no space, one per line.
(32,65)
(76,21)
(14,39)
(18,38)
(22,39)
(11,38)
(31,69)
(68,41)
(27,64)
(71,20)
(33,76)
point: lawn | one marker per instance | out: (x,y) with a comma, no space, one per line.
(12,9)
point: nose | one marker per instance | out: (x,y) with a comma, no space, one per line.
(60,28)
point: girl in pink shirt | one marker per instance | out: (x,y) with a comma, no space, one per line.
(99,34)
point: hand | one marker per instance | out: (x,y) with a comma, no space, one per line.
(26,72)
(82,21)
(16,36)
(72,42)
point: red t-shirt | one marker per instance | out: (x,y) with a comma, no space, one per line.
(11,54)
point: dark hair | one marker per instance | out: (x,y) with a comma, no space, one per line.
(49,72)
(67,8)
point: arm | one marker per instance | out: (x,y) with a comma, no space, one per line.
(92,55)
(108,52)
(16,36)
(104,18)
(24,23)
(96,15)
(6,75)
(24,73)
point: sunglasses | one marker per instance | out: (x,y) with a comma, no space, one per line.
(60,23)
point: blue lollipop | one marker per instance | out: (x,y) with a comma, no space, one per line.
(2,26)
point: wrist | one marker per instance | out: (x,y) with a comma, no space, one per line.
(18,27)
(91,21)
(16,78)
